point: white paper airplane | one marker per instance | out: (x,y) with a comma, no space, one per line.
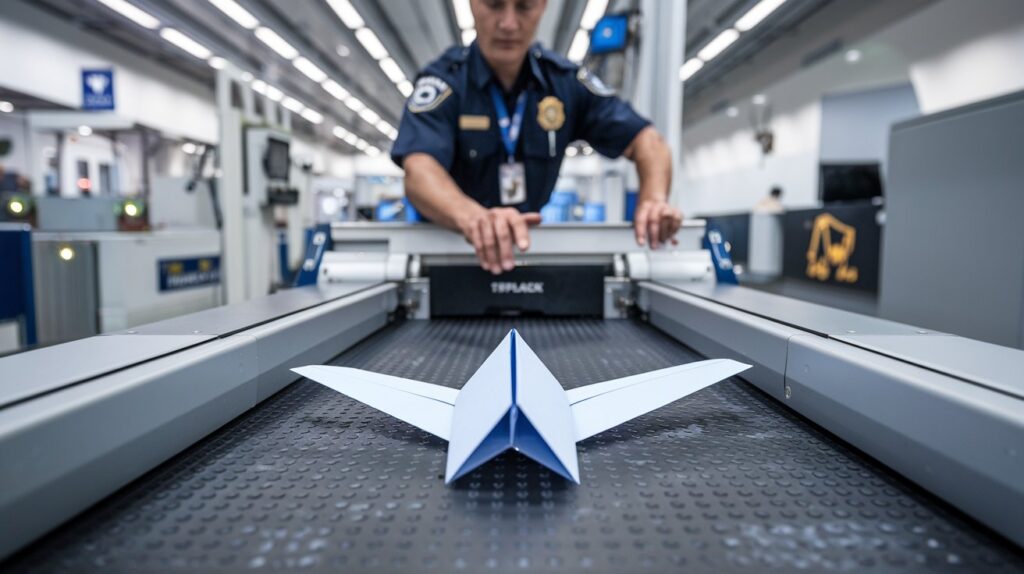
(514,402)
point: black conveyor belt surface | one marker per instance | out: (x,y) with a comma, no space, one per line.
(723,480)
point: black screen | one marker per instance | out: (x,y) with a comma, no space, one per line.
(277,161)
(850,182)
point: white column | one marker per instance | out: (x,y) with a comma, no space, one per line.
(229,193)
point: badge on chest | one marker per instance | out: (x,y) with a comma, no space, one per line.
(512,183)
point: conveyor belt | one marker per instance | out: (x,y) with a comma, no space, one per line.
(723,480)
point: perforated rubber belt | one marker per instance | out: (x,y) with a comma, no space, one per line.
(724,480)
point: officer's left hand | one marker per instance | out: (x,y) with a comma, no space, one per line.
(656,222)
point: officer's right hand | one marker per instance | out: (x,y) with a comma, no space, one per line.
(495,232)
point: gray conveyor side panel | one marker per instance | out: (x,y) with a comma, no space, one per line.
(66,450)
(959,440)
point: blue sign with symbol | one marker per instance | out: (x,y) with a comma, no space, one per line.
(175,274)
(98,90)
(715,243)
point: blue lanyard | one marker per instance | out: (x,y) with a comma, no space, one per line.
(509,128)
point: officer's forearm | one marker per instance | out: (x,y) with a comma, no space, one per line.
(653,160)
(434,193)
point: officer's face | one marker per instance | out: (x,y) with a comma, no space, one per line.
(505,28)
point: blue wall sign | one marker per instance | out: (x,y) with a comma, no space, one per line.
(175,274)
(97,89)
(715,243)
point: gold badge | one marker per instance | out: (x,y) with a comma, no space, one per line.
(550,113)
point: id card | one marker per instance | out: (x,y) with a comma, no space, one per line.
(512,182)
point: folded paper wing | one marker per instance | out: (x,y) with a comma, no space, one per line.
(601,406)
(423,405)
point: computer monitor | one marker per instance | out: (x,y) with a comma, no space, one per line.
(277,162)
(849,182)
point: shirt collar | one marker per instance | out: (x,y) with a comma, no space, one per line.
(482,72)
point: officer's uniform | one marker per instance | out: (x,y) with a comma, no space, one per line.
(452,116)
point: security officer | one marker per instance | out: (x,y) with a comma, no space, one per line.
(485,129)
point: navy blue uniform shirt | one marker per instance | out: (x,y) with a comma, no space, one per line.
(451,117)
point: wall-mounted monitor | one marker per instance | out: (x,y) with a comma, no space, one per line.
(277,161)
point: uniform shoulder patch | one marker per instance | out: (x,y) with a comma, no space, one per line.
(430,92)
(594,83)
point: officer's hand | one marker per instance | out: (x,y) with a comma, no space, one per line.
(495,232)
(656,222)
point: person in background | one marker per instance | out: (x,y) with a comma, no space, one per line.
(771,203)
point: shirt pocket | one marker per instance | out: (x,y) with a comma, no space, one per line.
(478,147)
(541,167)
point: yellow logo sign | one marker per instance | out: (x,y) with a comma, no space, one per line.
(824,255)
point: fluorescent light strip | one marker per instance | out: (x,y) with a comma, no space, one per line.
(592,13)
(406,88)
(392,71)
(373,151)
(292,104)
(276,43)
(217,63)
(274,94)
(372,44)
(468,36)
(691,67)
(718,45)
(240,15)
(260,87)
(335,89)
(185,43)
(759,12)
(580,45)
(369,116)
(309,69)
(463,14)
(312,115)
(355,104)
(133,13)
(340,132)
(348,15)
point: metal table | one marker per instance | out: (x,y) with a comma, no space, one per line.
(725,480)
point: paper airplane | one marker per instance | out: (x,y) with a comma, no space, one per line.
(514,402)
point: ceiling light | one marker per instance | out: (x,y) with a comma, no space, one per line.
(351,138)
(369,116)
(340,132)
(310,69)
(6,107)
(463,14)
(571,151)
(372,44)
(355,104)
(468,36)
(580,45)
(349,16)
(732,111)
(335,89)
(312,115)
(292,104)
(759,12)
(246,76)
(373,150)
(240,15)
(133,13)
(759,100)
(84,131)
(853,56)
(592,13)
(259,86)
(406,88)
(391,70)
(361,144)
(718,45)
(188,147)
(274,94)
(691,67)
(217,63)
(384,127)
(587,150)
(185,43)
(276,43)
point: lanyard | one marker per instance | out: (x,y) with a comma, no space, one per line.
(509,128)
